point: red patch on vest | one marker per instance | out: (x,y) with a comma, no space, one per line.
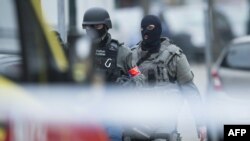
(134,71)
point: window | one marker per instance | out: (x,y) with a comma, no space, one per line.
(238,56)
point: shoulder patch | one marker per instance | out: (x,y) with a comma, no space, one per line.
(114,44)
(173,49)
(168,53)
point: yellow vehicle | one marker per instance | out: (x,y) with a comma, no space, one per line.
(30,53)
(41,58)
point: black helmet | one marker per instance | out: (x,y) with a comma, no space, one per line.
(96,16)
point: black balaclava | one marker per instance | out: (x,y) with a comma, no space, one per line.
(153,42)
(97,35)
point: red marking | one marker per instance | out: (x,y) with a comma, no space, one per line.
(134,71)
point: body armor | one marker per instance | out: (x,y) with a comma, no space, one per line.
(106,61)
(161,67)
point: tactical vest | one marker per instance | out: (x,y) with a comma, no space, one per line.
(160,68)
(106,61)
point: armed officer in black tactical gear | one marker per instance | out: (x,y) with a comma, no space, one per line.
(165,67)
(111,59)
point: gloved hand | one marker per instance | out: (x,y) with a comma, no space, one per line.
(136,81)
(122,80)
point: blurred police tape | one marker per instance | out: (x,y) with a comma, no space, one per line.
(122,105)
